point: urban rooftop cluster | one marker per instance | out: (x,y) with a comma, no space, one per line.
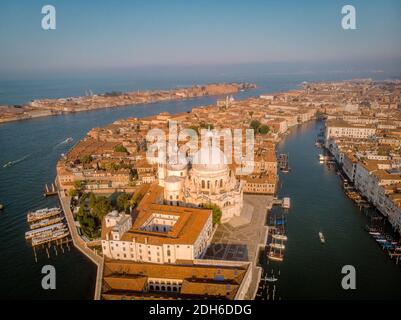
(153,246)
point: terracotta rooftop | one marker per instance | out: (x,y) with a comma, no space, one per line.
(185,231)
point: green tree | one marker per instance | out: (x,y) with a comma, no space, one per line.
(255,124)
(81,211)
(92,200)
(120,148)
(216,216)
(86,159)
(73,193)
(101,208)
(264,129)
(123,201)
(78,184)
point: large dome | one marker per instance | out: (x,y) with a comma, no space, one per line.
(209,159)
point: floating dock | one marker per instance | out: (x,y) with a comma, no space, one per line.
(42,214)
(52,191)
(46,225)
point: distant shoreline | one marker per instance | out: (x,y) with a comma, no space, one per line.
(59,106)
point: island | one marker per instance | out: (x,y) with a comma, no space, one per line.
(90,102)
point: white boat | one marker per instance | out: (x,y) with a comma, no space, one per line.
(42,214)
(277,246)
(279,237)
(44,231)
(271,279)
(9,163)
(286,203)
(322,239)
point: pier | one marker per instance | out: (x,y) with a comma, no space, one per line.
(285,202)
(52,191)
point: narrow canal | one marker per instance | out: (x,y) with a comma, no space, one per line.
(312,270)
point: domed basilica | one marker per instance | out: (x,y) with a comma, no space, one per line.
(205,179)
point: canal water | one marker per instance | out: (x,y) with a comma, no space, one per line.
(312,270)
(309,270)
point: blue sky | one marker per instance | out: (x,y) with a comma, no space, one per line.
(116,34)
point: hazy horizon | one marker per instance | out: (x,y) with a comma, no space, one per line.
(286,37)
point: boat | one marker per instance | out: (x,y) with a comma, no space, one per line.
(69,140)
(8,164)
(375,233)
(1,206)
(275,257)
(44,231)
(42,214)
(279,237)
(277,246)
(286,203)
(271,279)
(45,222)
(59,234)
(322,239)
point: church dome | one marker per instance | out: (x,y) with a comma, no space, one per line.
(209,159)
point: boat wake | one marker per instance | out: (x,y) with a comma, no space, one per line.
(12,163)
(66,141)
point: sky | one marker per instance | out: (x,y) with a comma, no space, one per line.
(92,35)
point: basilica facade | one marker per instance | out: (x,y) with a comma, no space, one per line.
(203,179)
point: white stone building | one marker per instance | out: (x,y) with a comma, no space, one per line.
(205,179)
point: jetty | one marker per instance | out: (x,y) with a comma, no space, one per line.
(282,163)
(52,191)
(285,202)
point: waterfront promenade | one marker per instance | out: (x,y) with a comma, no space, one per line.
(80,244)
